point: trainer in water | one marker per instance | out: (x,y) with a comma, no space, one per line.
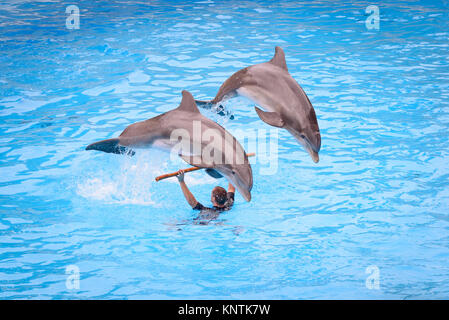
(212,147)
(287,106)
(221,200)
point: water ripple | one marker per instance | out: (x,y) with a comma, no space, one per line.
(379,195)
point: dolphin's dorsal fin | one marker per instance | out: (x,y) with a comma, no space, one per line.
(279,59)
(188,102)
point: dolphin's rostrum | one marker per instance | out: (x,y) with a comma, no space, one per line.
(209,145)
(271,86)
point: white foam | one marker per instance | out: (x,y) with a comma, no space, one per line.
(131,180)
(262,10)
(127,183)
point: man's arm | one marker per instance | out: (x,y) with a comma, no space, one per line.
(231,191)
(187,194)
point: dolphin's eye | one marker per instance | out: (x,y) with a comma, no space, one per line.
(233,172)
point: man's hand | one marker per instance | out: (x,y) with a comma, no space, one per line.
(180,175)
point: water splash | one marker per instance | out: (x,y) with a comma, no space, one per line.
(130,183)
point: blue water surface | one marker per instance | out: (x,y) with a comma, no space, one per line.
(377,200)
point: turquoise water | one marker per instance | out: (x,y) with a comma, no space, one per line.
(378,197)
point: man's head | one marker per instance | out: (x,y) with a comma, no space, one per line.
(218,197)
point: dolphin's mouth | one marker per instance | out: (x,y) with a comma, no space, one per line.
(311,150)
(246,195)
(242,189)
(314,155)
(310,147)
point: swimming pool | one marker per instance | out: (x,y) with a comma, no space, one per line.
(376,206)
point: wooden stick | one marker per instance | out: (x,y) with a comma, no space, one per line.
(173,174)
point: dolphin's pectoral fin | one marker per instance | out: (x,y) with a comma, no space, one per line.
(213,173)
(272,118)
(196,161)
(110,146)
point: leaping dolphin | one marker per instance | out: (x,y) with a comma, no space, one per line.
(271,86)
(209,145)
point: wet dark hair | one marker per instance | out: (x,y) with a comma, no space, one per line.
(220,195)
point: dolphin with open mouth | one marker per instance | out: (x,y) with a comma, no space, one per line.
(198,140)
(287,106)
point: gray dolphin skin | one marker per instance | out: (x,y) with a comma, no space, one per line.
(206,144)
(271,86)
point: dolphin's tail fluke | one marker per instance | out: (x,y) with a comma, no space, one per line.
(206,104)
(218,108)
(110,146)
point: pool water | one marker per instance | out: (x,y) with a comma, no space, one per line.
(376,206)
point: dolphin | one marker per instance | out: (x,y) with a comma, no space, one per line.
(199,141)
(287,106)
